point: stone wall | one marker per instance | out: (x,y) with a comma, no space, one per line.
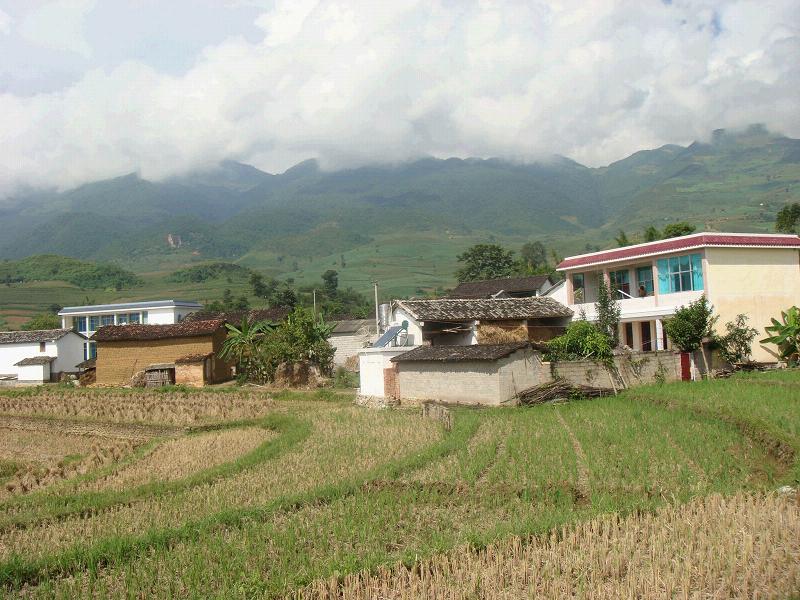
(636,368)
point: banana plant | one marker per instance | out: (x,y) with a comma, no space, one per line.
(786,335)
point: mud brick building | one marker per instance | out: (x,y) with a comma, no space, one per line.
(184,353)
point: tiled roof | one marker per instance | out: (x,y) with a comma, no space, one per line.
(489,309)
(460,353)
(28,337)
(234,317)
(35,360)
(67,310)
(490,287)
(89,363)
(354,326)
(686,242)
(191,358)
(114,333)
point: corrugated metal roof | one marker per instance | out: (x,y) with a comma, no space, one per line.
(686,242)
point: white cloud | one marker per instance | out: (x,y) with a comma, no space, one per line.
(351,84)
(59,25)
(5,22)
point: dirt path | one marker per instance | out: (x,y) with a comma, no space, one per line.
(583,486)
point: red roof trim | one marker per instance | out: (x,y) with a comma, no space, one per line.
(697,240)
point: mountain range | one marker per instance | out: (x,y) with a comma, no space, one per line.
(737,181)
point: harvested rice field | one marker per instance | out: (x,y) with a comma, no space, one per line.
(663,491)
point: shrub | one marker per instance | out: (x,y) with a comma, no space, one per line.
(786,335)
(581,340)
(736,345)
(691,324)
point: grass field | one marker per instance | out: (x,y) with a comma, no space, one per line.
(239,493)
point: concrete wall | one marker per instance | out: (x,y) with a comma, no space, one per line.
(488,383)
(760,282)
(118,361)
(11,354)
(348,345)
(68,352)
(33,374)
(414,330)
(464,382)
(638,368)
(371,365)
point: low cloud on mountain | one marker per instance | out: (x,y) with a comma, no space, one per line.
(355,83)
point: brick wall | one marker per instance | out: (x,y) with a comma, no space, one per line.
(118,361)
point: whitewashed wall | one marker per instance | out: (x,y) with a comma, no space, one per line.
(33,374)
(371,363)
(348,345)
(68,352)
(414,330)
(11,354)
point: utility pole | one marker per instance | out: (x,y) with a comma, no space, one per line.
(315,303)
(377,313)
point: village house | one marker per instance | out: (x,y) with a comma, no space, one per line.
(488,375)
(463,322)
(348,337)
(506,287)
(39,356)
(754,274)
(182,353)
(86,320)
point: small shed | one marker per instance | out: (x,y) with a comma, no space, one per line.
(485,374)
(34,370)
(348,337)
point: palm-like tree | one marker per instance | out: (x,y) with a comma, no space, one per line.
(243,344)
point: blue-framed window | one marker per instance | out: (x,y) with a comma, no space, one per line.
(644,277)
(89,350)
(134,318)
(94,323)
(680,274)
(620,284)
(122,319)
(82,323)
(107,320)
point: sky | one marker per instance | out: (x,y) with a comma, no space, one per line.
(93,89)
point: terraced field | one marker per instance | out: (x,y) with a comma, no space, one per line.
(243,494)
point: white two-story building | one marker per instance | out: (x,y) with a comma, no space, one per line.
(86,320)
(754,274)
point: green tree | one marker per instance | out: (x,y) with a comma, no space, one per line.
(691,325)
(622,239)
(788,219)
(786,335)
(227,299)
(736,344)
(651,234)
(284,297)
(678,229)
(330,282)
(42,321)
(534,256)
(260,289)
(243,346)
(485,261)
(608,313)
